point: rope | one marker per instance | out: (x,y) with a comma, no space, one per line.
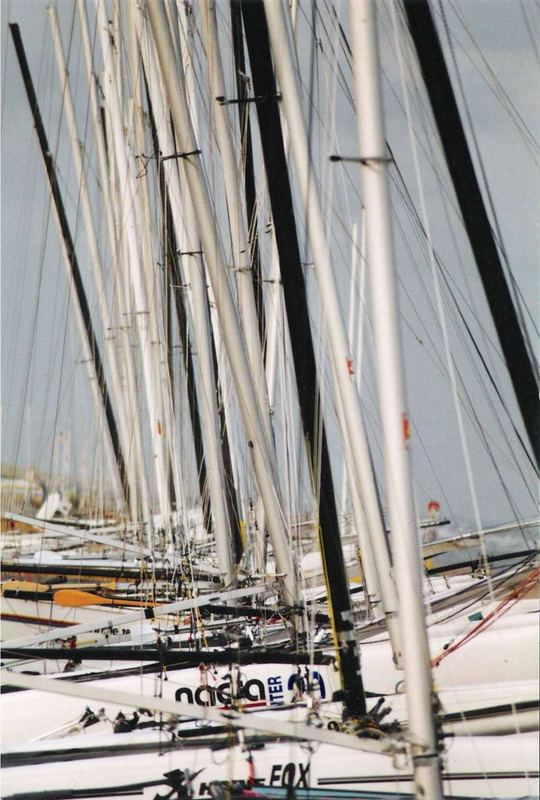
(504,606)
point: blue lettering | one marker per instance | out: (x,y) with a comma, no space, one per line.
(275,689)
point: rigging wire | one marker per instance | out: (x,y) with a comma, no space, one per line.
(438,293)
(86,162)
(5,48)
(446,189)
(457,301)
(62,391)
(498,232)
(482,433)
(29,376)
(469,409)
(489,400)
(502,96)
(433,356)
(12,318)
(528,27)
(528,583)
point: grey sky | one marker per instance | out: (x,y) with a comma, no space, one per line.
(34,298)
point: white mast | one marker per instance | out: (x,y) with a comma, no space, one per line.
(369,572)
(95,260)
(239,233)
(131,226)
(193,269)
(152,283)
(404,536)
(237,214)
(261,449)
(193,272)
(363,479)
(133,427)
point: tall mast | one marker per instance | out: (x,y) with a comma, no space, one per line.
(362,476)
(246,268)
(231,491)
(163,390)
(130,215)
(94,253)
(294,293)
(193,270)
(404,535)
(247,151)
(225,406)
(260,447)
(174,278)
(121,331)
(93,358)
(237,223)
(475,218)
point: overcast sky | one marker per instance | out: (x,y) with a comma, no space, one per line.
(41,375)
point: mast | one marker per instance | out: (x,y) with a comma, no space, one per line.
(247,151)
(260,447)
(294,292)
(475,218)
(193,270)
(133,429)
(231,492)
(361,469)
(245,259)
(404,537)
(239,234)
(166,422)
(174,278)
(93,252)
(97,379)
(186,44)
(142,314)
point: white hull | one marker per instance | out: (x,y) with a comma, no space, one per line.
(504,767)
(31,716)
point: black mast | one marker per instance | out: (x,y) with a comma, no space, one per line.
(72,258)
(460,165)
(294,291)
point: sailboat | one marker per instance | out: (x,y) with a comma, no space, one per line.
(160,49)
